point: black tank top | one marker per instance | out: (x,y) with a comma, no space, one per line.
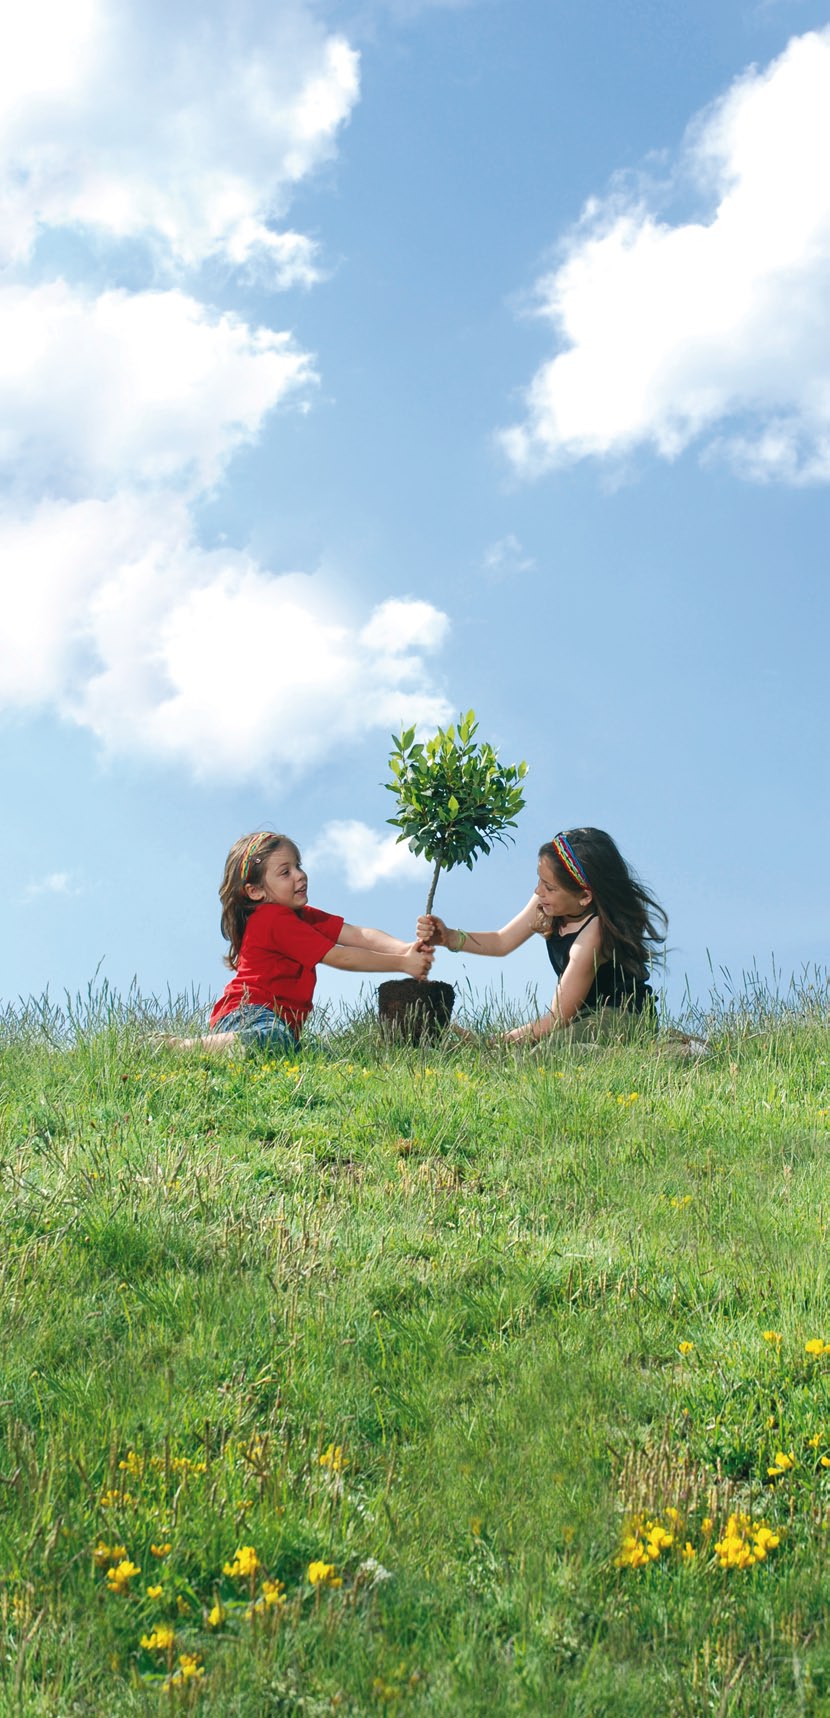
(613,987)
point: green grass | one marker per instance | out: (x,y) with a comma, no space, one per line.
(473,1273)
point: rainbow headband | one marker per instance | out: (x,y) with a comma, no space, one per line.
(567,857)
(250,851)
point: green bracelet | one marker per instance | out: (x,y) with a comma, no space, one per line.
(462,938)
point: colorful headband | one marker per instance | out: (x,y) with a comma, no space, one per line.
(567,857)
(250,850)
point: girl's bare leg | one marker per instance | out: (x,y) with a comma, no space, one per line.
(206,1041)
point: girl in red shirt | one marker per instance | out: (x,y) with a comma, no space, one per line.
(277,941)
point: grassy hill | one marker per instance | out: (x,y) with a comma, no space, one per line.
(450,1381)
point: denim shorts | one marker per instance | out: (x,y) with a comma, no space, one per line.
(259,1028)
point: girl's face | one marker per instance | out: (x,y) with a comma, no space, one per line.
(283,881)
(556,901)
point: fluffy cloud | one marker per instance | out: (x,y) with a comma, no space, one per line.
(147,383)
(121,408)
(137,122)
(365,856)
(396,627)
(119,620)
(717,329)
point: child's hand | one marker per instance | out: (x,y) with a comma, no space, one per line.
(431,931)
(417,961)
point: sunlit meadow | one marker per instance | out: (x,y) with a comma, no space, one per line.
(447,1380)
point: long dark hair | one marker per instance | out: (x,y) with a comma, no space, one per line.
(632,922)
(245,864)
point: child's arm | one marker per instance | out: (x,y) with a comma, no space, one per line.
(413,960)
(371,942)
(571,991)
(435,934)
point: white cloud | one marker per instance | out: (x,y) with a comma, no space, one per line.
(713,330)
(117,619)
(118,409)
(398,626)
(506,559)
(135,121)
(147,383)
(57,883)
(365,855)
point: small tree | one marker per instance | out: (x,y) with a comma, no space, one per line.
(454,797)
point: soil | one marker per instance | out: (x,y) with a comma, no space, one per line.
(415,1011)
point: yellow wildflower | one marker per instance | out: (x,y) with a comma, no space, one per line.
(642,1542)
(783,1463)
(245,1563)
(706,1525)
(160,1550)
(113,1499)
(160,1640)
(119,1577)
(765,1540)
(688,1553)
(815,1346)
(825,1461)
(104,1554)
(273,1592)
(322,1575)
(216,1616)
(189,1666)
(771,1336)
(744,1543)
(334,1458)
(183,1464)
(814,1442)
(658,1540)
(132,1464)
(155,1592)
(685,1347)
(182,1605)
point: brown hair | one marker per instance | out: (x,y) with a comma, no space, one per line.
(632,922)
(237,906)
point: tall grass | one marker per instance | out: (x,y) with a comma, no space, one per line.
(496,1346)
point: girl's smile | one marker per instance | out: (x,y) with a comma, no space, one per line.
(557,902)
(284,882)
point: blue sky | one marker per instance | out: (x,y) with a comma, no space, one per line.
(362,363)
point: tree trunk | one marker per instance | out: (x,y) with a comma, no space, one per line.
(416,1010)
(433,885)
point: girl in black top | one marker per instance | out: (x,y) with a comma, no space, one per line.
(599,924)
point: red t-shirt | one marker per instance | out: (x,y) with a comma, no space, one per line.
(281,947)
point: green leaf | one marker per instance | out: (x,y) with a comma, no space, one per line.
(454,799)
